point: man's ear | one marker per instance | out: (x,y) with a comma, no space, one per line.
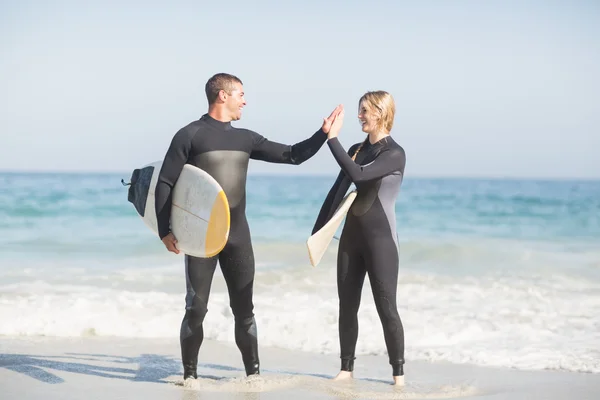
(222,95)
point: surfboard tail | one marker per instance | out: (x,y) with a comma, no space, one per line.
(139,185)
(318,243)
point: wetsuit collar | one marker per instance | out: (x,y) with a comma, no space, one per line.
(380,142)
(215,123)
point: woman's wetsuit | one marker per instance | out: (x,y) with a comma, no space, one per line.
(224,152)
(368,243)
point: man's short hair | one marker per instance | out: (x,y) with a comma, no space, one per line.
(218,82)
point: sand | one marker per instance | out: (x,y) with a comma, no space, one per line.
(115,368)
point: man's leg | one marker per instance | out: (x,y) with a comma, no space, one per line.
(199,273)
(237,264)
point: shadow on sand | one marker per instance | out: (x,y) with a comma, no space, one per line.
(150,367)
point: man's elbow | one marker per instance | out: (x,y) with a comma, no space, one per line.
(299,157)
(297,161)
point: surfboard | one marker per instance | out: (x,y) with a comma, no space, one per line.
(317,243)
(200,218)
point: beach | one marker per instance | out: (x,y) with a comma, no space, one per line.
(112,368)
(498,292)
(495,227)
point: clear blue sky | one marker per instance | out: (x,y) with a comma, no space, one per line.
(483,88)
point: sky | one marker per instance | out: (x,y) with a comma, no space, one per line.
(482,88)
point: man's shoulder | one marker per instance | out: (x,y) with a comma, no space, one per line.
(194,125)
(188,131)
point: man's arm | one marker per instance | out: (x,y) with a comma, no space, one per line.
(387,162)
(266,150)
(175,159)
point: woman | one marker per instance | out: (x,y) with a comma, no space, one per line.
(368,243)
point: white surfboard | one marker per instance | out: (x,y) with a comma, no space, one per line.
(200,218)
(317,244)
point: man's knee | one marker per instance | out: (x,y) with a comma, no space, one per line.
(242,312)
(196,312)
(192,322)
(242,306)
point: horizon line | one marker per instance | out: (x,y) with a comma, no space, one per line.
(313,174)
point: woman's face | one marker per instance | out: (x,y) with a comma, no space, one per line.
(368,119)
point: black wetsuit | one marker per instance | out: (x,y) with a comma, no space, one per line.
(368,243)
(224,152)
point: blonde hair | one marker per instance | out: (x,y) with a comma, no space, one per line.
(382,104)
(359,147)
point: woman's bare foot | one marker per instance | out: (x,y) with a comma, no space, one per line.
(343,375)
(399,380)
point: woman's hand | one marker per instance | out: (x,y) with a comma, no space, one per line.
(329,120)
(337,123)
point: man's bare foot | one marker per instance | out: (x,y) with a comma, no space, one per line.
(343,375)
(399,380)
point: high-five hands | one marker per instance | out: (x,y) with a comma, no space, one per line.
(329,120)
(337,123)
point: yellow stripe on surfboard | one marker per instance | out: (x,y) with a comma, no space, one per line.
(217,229)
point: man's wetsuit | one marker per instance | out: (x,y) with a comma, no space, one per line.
(368,243)
(224,152)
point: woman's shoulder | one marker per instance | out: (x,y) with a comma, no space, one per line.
(395,147)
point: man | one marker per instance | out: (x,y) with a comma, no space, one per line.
(213,145)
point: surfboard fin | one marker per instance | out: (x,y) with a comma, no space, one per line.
(138,188)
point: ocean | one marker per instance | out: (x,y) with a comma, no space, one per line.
(492,272)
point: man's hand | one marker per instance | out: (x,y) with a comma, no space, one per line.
(329,120)
(336,125)
(170,243)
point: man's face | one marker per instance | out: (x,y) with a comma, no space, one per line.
(235,102)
